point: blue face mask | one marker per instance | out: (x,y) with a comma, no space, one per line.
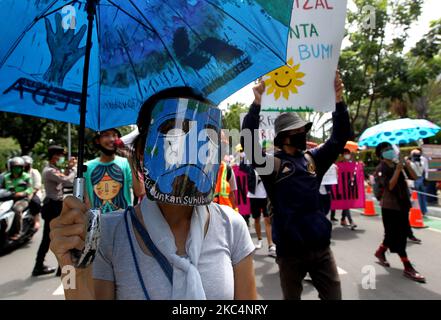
(389,154)
(181,155)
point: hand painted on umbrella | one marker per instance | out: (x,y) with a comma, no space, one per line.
(64,48)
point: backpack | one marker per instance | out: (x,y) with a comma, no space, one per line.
(278,164)
(378,187)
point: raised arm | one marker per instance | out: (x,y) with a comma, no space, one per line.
(65,180)
(250,135)
(325,155)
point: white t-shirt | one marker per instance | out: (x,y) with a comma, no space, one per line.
(226,243)
(260,192)
(36,181)
(425,162)
(418,167)
(329,178)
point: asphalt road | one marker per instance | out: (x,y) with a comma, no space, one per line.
(353,252)
(361,277)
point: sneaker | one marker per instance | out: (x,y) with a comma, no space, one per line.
(415,239)
(272,251)
(40,271)
(382,258)
(414,275)
(353,226)
(334,220)
(258,245)
(343,223)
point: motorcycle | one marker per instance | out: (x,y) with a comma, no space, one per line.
(8,223)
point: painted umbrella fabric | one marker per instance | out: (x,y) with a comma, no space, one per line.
(399,131)
(140,47)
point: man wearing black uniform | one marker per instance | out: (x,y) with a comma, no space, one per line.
(300,230)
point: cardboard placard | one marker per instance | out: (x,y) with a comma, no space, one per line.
(306,82)
(349,192)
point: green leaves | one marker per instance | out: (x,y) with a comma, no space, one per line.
(381,80)
(231,118)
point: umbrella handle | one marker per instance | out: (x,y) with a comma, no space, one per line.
(83,258)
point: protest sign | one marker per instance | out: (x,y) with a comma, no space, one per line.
(243,203)
(330,176)
(306,82)
(266,125)
(349,192)
(433,154)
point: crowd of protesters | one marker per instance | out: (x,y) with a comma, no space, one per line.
(209,262)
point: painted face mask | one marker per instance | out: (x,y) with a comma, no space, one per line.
(181,155)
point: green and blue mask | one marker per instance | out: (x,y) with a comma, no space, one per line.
(181,155)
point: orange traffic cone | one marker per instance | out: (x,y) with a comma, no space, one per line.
(416,216)
(415,196)
(369,206)
(369,189)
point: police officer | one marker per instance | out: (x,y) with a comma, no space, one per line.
(301,230)
(54,181)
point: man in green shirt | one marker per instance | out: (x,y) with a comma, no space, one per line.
(109,177)
(19,182)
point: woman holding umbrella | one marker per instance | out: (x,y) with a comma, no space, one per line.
(175,244)
(395,205)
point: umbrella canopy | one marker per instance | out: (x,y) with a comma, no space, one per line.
(399,131)
(139,48)
(351,146)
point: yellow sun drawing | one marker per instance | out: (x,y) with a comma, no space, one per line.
(284,80)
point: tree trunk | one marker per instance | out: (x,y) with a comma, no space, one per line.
(372,99)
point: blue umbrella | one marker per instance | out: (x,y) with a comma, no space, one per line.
(399,131)
(49,67)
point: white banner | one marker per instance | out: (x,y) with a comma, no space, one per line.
(266,125)
(330,177)
(306,83)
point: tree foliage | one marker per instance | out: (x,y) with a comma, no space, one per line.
(381,80)
(34,135)
(231,119)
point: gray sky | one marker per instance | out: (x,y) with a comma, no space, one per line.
(431,11)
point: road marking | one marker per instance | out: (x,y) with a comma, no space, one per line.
(341,271)
(59,291)
(431,229)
